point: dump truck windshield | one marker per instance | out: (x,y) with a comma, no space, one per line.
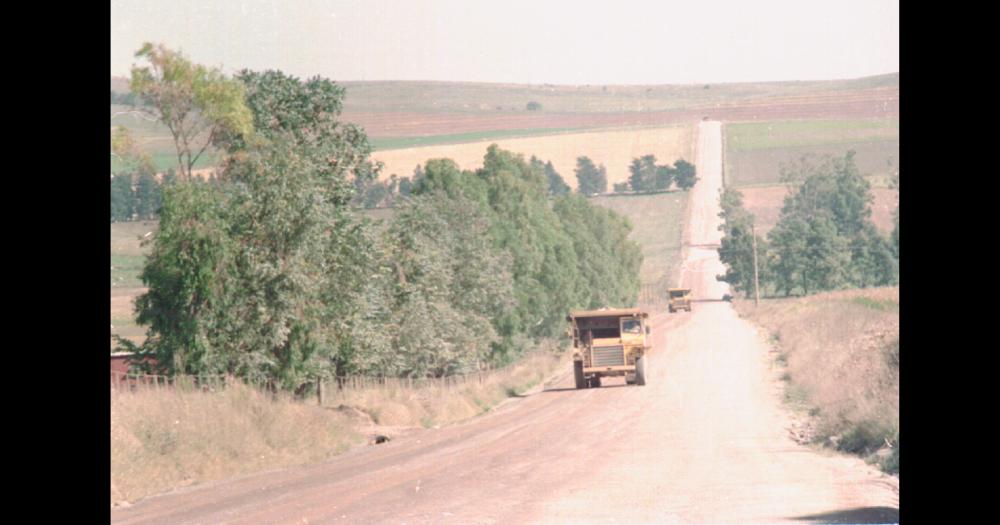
(631,326)
(677,293)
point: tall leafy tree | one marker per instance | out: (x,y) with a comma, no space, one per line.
(557,186)
(188,272)
(122,198)
(590,179)
(451,286)
(736,248)
(684,174)
(608,261)
(664,177)
(197,104)
(148,195)
(278,268)
(825,238)
(643,173)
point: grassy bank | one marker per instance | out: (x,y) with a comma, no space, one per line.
(840,351)
(658,227)
(162,440)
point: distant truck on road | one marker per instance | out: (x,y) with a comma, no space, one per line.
(680,299)
(609,343)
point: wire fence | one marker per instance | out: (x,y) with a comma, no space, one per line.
(655,294)
(322,387)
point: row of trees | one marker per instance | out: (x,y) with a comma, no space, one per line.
(124,99)
(646,175)
(824,239)
(137,195)
(268,274)
(591,180)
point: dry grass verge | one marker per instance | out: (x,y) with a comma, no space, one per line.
(440,405)
(161,440)
(841,350)
(167,439)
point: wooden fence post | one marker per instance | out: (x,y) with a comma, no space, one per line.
(319,390)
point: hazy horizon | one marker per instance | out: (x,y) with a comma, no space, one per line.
(521,42)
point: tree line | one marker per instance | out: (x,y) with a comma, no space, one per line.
(824,238)
(592,179)
(137,195)
(268,273)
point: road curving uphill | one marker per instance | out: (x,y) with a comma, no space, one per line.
(705,441)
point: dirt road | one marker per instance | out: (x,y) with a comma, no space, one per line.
(705,441)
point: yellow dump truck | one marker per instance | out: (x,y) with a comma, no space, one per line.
(680,299)
(609,343)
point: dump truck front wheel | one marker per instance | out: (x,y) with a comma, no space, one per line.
(640,371)
(578,374)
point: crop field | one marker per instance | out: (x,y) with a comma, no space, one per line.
(471,97)
(882,103)
(755,151)
(409,114)
(765,202)
(614,149)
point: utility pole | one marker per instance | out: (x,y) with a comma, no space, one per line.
(756,289)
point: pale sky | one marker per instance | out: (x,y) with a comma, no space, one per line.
(518,41)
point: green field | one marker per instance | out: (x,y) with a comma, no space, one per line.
(753,136)
(756,151)
(388,143)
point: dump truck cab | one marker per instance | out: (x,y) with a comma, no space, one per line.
(680,299)
(609,343)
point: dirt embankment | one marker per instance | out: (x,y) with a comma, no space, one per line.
(839,352)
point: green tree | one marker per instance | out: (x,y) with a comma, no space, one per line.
(405,187)
(608,261)
(621,187)
(664,176)
(266,274)
(643,173)
(122,198)
(148,195)
(557,186)
(196,104)
(736,247)
(684,174)
(187,273)
(452,285)
(544,267)
(824,238)
(590,179)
